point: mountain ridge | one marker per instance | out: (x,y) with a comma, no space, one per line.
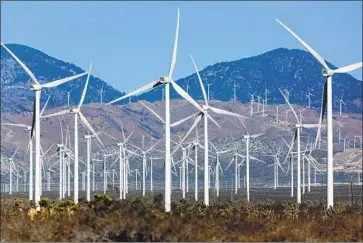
(279,68)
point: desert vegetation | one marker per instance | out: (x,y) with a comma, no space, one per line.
(144,219)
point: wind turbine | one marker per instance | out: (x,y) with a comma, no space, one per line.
(340,126)
(308,95)
(235,90)
(166,80)
(341,102)
(266,93)
(298,126)
(77,112)
(30,149)
(204,113)
(218,166)
(276,164)
(326,103)
(251,103)
(209,84)
(68,97)
(101,95)
(287,94)
(247,139)
(37,88)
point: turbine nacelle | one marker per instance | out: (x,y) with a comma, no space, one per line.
(205,107)
(35,87)
(327,73)
(165,79)
(74,110)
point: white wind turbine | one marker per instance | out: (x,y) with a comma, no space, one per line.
(235,86)
(341,102)
(68,97)
(77,112)
(287,94)
(101,95)
(276,164)
(218,166)
(251,103)
(37,88)
(236,166)
(166,81)
(266,93)
(30,149)
(209,84)
(340,126)
(308,95)
(248,157)
(144,152)
(298,126)
(326,103)
(11,166)
(204,113)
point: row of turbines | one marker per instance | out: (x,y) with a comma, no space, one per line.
(204,112)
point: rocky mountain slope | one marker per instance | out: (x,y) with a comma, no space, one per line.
(281,68)
(137,119)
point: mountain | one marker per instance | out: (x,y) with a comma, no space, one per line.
(137,119)
(16,96)
(282,68)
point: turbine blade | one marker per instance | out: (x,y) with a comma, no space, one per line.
(310,125)
(348,68)
(224,112)
(214,121)
(14,124)
(175,48)
(185,95)
(322,112)
(311,50)
(139,91)
(257,135)
(196,121)
(26,69)
(156,114)
(85,87)
(182,120)
(230,163)
(45,105)
(293,111)
(200,81)
(125,141)
(85,122)
(62,81)
(59,113)
(33,121)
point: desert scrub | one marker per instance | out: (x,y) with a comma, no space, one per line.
(144,219)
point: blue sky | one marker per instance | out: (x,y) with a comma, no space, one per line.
(130,43)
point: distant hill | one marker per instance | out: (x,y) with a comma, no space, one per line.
(279,68)
(16,96)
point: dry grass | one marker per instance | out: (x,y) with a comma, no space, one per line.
(143,219)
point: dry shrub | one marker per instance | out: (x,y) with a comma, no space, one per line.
(143,219)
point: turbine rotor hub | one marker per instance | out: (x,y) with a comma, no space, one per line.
(164,80)
(327,73)
(74,110)
(35,87)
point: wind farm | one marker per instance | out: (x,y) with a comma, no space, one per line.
(171,157)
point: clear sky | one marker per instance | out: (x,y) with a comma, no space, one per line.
(130,43)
